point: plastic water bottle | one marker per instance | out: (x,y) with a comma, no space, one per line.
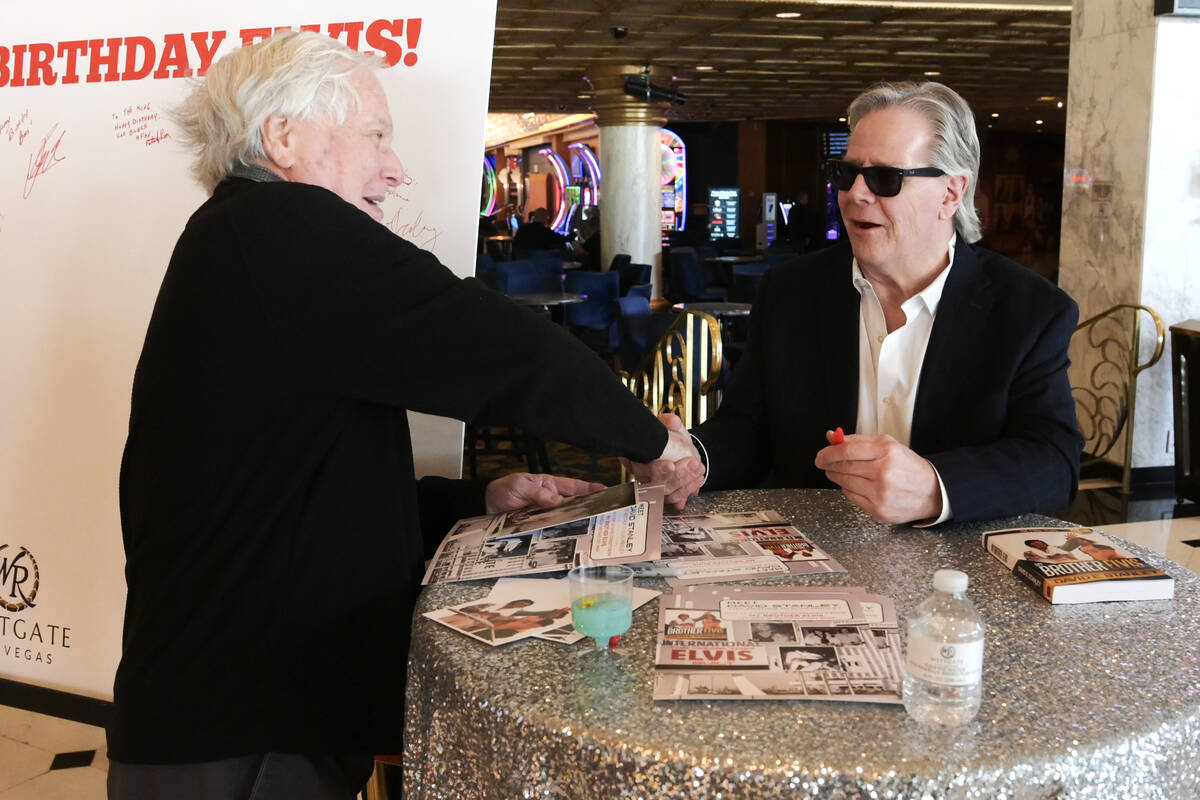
(944,679)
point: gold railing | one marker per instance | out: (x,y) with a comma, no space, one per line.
(1105,405)
(679,374)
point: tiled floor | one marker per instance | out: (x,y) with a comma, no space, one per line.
(45,758)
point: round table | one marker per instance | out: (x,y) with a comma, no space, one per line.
(1095,701)
(548,301)
(718,310)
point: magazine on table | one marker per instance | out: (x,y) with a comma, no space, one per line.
(629,534)
(521,608)
(777,643)
(1077,565)
(726,546)
(573,509)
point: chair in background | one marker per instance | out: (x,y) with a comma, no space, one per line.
(680,371)
(485,269)
(528,277)
(688,281)
(645,290)
(632,275)
(619,261)
(1110,343)
(593,319)
(746,278)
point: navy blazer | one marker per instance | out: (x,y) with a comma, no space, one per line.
(993,411)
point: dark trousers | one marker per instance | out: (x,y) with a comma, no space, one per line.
(273,776)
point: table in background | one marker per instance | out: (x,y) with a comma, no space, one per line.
(1096,700)
(503,244)
(548,301)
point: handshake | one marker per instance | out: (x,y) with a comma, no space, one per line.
(679,468)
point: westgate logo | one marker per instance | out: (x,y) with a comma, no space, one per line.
(18,578)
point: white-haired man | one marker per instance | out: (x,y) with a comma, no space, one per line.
(274,531)
(946,362)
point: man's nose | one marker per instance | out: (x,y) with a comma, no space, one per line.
(859,191)
(393,169)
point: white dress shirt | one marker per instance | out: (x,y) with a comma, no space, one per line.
(889,364)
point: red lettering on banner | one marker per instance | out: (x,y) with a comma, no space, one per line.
(392,50)
(252,35)
(412,32)
(351,29)
(174,55)
(72,50)
(40,71)
(48,63)
(206,51)
(133,46)
(98,60)
(18,67)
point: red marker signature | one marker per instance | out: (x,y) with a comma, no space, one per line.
(45,159)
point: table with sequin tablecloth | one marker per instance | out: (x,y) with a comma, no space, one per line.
(1085,701)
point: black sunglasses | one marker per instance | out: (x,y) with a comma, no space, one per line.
(882,181)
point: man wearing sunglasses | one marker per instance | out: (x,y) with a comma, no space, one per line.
(947,362)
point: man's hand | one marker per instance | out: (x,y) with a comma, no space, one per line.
(883,477)
(522,489)
(679,467)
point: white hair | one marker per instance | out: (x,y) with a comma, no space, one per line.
(955,142)
(297,74)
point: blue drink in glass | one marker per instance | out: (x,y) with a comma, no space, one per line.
(601,601)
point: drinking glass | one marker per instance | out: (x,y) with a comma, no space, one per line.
(601,602)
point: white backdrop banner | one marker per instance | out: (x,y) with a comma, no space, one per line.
(94,191)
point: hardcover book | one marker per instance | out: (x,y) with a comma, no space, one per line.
(1077,565)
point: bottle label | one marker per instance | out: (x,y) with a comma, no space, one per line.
(945,663)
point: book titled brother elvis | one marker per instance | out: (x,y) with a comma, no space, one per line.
(1077,565)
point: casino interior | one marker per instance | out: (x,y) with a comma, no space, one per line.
(678,150)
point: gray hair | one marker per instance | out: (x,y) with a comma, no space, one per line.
(297,74)
(955,142)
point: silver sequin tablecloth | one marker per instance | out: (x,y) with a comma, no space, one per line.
(1086,701)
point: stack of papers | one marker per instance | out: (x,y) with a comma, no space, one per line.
(521,608)
(777,643)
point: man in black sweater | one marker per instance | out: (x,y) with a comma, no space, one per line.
(274,529)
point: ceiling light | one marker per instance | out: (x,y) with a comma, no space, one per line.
(1060,103)
(841,119)
(995,115)
(1038,122)
(788,14)
(584,96)
(703,67)
(933,73)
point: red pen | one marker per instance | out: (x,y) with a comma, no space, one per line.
(838,436)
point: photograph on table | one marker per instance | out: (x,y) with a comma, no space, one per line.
(509,613)
(572,509)
(630,534)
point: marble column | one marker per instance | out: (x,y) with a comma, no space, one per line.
(630,161)
(1131,217)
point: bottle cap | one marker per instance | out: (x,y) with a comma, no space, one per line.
(950,581)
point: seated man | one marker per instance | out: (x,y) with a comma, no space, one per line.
(536,234)
(274,530)
(947,362)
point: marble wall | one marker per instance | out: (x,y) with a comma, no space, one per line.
(1131,139)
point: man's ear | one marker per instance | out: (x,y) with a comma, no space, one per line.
(279,140)
(955,188)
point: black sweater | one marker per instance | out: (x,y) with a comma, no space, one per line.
(268,504)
